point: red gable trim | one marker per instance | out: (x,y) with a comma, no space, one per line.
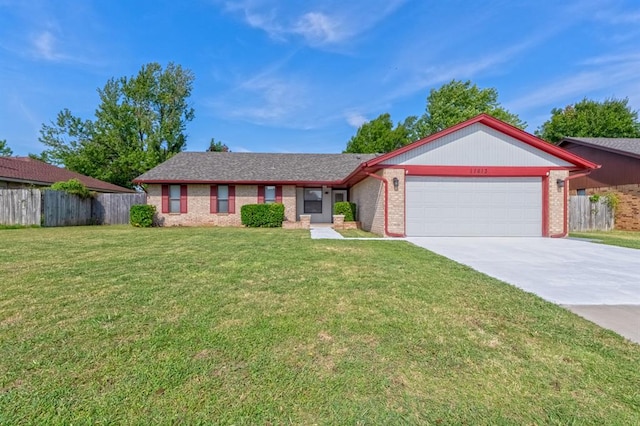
(500,126)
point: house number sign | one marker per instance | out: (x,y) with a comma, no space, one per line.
(479,171)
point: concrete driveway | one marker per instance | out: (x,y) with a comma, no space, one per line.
(596,281)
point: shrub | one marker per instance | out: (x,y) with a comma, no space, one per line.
(347,209)
(72,186)
(262,215)
(141,215)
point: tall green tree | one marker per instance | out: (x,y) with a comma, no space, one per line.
(379,135)
(139,123)
(5,151)
(612,118)
(217,146)
(458,101)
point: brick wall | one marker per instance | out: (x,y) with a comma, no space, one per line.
(557,202)
(368,195)
(198,205)
(628,210)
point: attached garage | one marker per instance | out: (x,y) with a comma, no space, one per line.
(473,206)
(482,177)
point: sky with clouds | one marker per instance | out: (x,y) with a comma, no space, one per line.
(301,76)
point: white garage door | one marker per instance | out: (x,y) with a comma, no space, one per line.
(451,206)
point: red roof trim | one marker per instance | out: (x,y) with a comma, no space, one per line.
(474,171)
(500,126)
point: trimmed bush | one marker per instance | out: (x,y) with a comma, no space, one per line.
(72,186)
(262,215)
(347,209)
(141,215)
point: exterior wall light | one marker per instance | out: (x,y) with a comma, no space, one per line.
(560,183)
(396,183)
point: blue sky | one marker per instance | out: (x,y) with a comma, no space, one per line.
(301,76)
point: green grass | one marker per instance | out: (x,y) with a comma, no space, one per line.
(116,325)
(17,226)
(628,239)
(357,233)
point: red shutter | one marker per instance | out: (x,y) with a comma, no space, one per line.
(232,199)
(279,194)
(213,199)
(183,198)
(165,198)
(261,194)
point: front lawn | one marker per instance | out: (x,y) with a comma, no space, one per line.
(357,233)
(116,325)
(628,239)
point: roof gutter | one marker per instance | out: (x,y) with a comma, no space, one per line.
(386,205)
(565,226)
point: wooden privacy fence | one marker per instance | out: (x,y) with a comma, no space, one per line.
(58,208)
(113,209)
(587,215)
(20,207)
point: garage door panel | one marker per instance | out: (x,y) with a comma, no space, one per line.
(446,206)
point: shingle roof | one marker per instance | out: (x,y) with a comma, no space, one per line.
(31,171)
(254,167)
(620,145)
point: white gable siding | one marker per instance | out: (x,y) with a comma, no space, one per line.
(477,145)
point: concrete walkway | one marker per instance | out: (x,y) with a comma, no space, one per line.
(320,232)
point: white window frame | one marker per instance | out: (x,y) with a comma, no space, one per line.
(174,201)
(223,202)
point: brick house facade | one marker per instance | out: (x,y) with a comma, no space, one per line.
(481,177)
(619,174)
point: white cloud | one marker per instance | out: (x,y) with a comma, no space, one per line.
(319,28)
(608,76)
(44,46)
(264,99)
(568,88)
(319,23)
(423,76)
(617,18)
(355,119)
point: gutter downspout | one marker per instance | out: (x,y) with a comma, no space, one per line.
(386,206)
(565,226)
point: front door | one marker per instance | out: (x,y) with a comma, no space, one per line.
(338,196)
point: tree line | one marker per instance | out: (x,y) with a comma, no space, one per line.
(141,120)
(457,101)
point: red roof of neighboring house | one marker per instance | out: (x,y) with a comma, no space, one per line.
(31,171)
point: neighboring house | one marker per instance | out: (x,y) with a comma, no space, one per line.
(482,177)
(620,173)
(26,172)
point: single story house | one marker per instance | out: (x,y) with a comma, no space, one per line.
(620,173)
(482,177)
(26,172)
